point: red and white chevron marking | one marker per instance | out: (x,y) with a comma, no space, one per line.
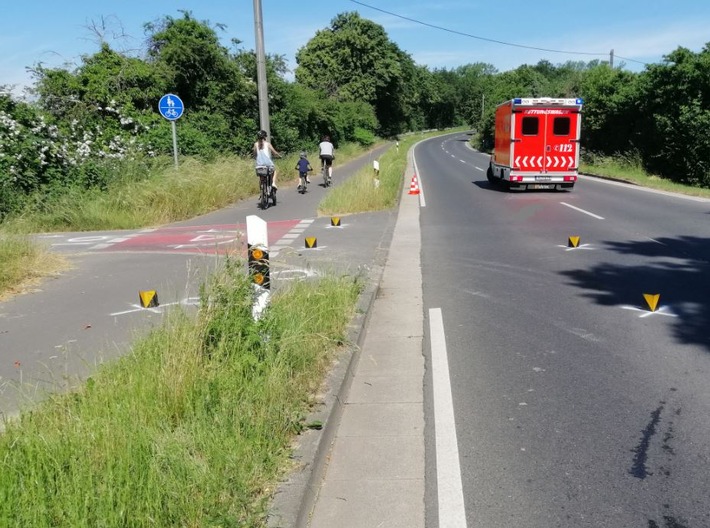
(539,162)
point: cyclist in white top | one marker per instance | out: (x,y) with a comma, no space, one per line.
(263,152)
(326,151)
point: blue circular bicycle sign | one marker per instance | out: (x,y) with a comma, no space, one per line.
(171,107)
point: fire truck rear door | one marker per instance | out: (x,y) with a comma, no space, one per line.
(561,144)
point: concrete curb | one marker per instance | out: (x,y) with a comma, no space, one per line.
(295,498)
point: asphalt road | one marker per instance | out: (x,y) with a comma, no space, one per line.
(575,405)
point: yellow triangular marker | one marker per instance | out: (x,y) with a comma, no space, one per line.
(311,242)
(335,221)
(573,242)
(652,300)
(149,298)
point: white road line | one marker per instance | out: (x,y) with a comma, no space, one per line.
(583,211)
(480,169)
(422,199)
(643,189)
(452,513)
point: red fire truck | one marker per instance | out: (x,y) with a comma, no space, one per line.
(536,143)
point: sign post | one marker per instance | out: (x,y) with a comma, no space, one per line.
(171,108)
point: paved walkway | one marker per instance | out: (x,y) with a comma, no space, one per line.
(375,469)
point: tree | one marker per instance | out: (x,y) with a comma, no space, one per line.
(610,116)
(354,60)
(675,110)
(202,72)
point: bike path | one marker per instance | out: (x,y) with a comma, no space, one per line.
(53,337)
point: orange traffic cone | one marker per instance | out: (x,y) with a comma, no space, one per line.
(414,187)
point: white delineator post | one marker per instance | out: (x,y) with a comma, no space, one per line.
(258,239)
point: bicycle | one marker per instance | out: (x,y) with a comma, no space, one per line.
(266,191)
(303,183)
(327,179)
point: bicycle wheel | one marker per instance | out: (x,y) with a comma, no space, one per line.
(264,197)
(326,182)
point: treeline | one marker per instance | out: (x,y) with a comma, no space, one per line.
(351,81)
(658,118)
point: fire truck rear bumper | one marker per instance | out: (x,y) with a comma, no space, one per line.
(542,181)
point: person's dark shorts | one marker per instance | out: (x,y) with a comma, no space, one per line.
(328,160)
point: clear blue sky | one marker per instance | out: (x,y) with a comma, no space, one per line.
(55,33)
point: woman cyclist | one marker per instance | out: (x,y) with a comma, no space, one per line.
(263,152)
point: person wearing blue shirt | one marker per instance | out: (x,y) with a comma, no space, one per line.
(303,166)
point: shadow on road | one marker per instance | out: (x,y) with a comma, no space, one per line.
(679,271)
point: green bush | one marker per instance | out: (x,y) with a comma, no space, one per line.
(364,137)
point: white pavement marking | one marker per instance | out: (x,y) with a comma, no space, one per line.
(480,169)
(113,241)
(190,301)
(663,310)
(295,274)
(452,513)
(581,246)
(422,199)
(582,211)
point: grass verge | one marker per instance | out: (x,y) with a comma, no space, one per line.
(160,196)
(23,263)
(190,429)
(630,170)
(367,192)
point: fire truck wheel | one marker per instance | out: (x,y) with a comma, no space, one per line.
(489,175)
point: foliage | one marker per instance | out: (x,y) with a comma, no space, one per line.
(354,60)
(192,428)
(674,103)
(610,111)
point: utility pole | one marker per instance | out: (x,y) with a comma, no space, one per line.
(611,59)
(261,70)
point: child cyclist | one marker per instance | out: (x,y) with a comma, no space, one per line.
(303,166)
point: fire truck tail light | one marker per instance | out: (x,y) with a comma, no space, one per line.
(570,178)
(516,178)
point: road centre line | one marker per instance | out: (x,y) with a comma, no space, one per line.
(582,211)
(480,169)
(452,513)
